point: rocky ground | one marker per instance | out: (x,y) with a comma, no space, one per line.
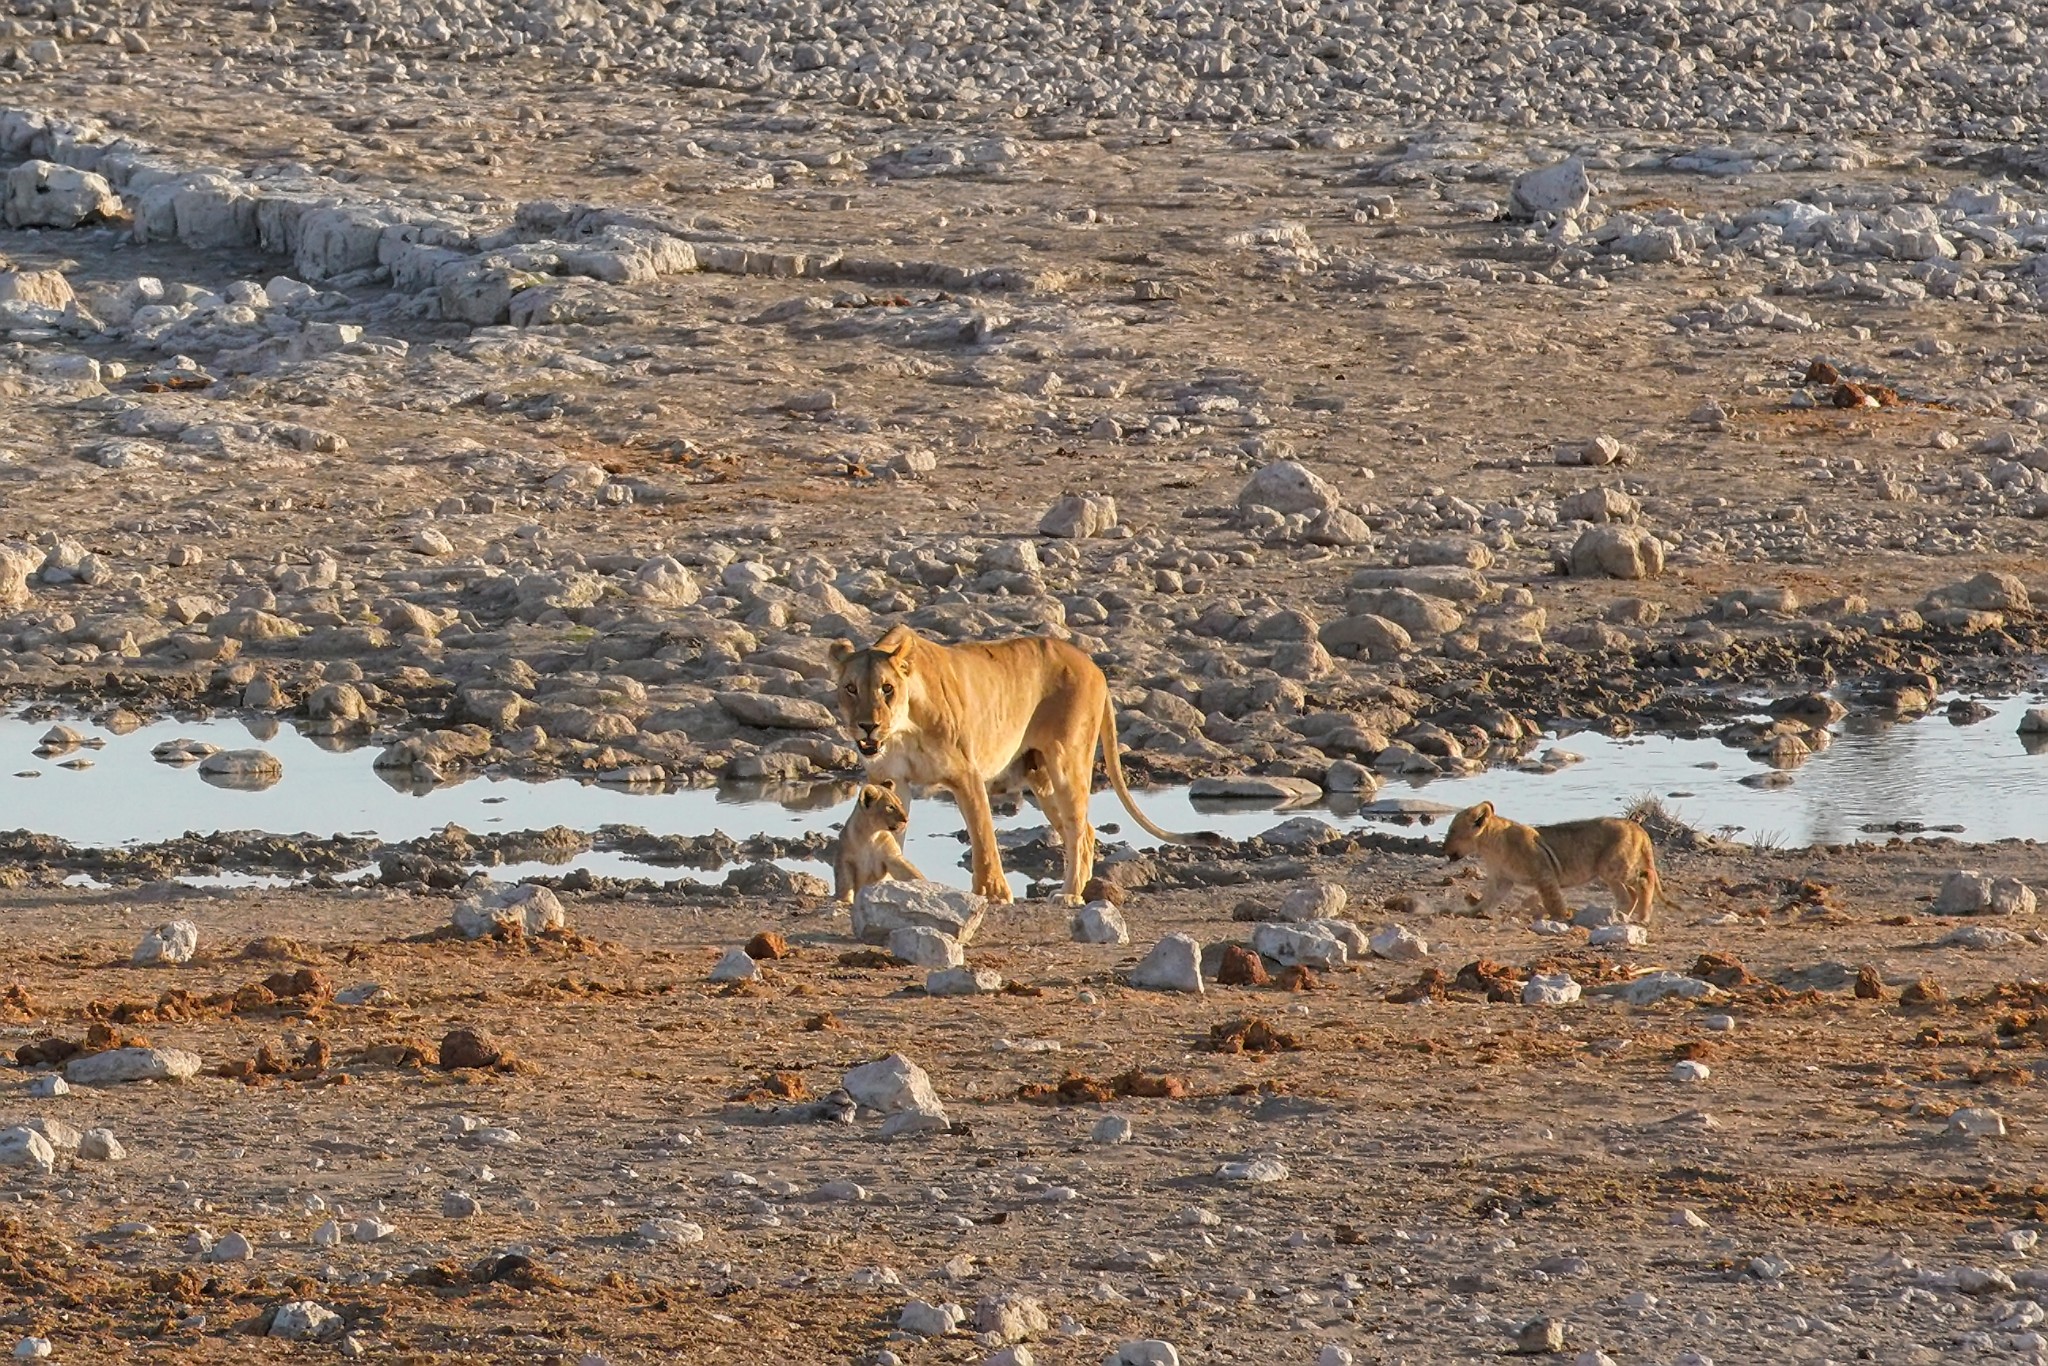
(539,388)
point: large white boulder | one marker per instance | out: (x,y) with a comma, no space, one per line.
(17,562)
(43,194)
(1307,945)
(1969,892)
(167,945)
(24,1148)
(1617,552)
(882,908)
(118,1065)
(528,907)
(304,1321)
(893,1085)
(922,946)
(1551,191)
(1175,964)
(1288,487)
(1079,516)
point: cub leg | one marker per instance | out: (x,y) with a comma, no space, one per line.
(1490,894)
(843,873)
(899,867)
(1649,891)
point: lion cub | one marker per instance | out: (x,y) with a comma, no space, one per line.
(1613,852)
(868,851)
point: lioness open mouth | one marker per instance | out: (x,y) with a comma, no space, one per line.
(867,747)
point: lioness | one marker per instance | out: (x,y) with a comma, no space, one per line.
(868,851)
(1609,850)
(963,716)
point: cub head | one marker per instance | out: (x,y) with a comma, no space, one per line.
(883,808)
(874,689)
(1466,827)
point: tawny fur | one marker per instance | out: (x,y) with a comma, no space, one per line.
(868,848)
(1548,858)
(1028,711)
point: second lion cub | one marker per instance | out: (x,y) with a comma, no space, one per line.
(868,851)
(1609,850)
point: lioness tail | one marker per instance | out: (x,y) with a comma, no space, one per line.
(1114,764)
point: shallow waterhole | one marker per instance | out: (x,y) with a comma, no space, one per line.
(1979,782)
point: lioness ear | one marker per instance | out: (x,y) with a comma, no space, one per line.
(839,651)
(894,640)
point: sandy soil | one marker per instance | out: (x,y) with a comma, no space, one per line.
(1151,312)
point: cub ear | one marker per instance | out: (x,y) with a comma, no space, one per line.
(1483,811)
(868,796)
(839,651)
(889,783)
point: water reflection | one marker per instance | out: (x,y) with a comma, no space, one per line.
(1873,775)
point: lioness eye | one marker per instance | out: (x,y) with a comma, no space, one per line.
(853,690)
(887,692)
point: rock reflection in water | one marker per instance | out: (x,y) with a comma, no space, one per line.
(1865,774)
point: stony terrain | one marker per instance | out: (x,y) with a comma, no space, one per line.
(538,388)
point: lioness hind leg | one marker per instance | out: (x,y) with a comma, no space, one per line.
(1064,795)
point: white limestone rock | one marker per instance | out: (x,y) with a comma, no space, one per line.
(22,1147)
(1616,552)
(882,908)
(924,947)
(1174,964)
(736,966)
(1288,488)
(527,908)
(1099,922)
(305,1321)
(119,1065)
(1079,516)
(169,944)
(44,194)
(1555,191)
(1397,943)
(1969,892)
(893,1085)
(963,981)
(1550,989)
(1307,945)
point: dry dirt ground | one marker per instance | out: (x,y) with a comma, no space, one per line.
(861,402)
(1454,1166)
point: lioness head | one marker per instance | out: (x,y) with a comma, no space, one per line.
(874,689)
(884,807)
(1463,836)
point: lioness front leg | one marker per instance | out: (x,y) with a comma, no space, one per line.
(986,860)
